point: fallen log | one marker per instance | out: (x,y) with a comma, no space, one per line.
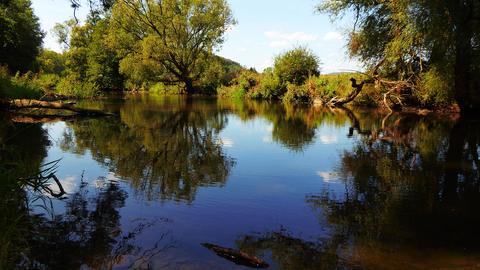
(16,104)
(236,256)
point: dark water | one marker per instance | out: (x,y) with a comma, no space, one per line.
(301,188)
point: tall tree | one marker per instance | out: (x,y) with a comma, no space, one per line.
(429,47)
(20,35)
(180,35)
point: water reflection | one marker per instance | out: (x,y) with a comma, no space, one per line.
(165,154)
(398,191)
(22,149)
(289,252)
(411,185)
(89,235)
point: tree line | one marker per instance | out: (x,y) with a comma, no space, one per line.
(415,53)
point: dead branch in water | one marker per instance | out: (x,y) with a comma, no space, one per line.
(236,256)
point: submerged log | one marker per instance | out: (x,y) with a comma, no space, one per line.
(16,104)
(236,256)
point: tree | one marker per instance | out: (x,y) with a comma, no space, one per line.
(179,35)
(20,35)
(430,49)
(89,59)
(51,62)
(295,66)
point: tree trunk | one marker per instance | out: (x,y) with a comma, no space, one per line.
(357,88)
(189,86)
(466,95)
(53,105)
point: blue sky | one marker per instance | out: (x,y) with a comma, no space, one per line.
(265,29)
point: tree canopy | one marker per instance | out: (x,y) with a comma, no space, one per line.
(20,35)
(178,36)
(295,66)
(429,47)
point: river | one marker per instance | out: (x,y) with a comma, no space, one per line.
(298,187)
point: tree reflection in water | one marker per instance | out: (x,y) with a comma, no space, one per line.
(87,235)
(166,154)
(412,192)
(411,183)
(289,252)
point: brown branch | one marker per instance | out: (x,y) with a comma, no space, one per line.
(335,101)
(15,104)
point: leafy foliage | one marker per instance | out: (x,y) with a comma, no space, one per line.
(20,35)
(296,65)
(433,47)
(178,36)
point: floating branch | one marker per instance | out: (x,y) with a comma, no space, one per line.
(236,256)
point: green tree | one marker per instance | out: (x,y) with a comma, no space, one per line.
(296,65)
(430,48)
(51,62)
(20,35)
(178,35)
(90,62)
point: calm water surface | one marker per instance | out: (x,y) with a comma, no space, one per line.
(301,188)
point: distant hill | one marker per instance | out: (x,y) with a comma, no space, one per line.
(229,65)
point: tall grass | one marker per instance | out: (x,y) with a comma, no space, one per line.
(18,86)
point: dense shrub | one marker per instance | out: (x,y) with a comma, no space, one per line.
(269,87)
(47,82)
(435,89)
(50,62)
(18,86)
(244,83)
(295,66)
(71,86)
(297,94)
(161,88)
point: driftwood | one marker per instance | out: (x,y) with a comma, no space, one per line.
(340,101)
(236,256)
(16,104)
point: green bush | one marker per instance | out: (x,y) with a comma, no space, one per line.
(233,91)
(295,66)
(297,94)
(240,86)
(269,87)
(435,89)
(72,87)
(47,82)
(161,88)
(18,86)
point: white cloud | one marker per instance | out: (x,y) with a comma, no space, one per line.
(328,139)
(267,139)
(328,177)
(68,183)
(225,142)
(330,36)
